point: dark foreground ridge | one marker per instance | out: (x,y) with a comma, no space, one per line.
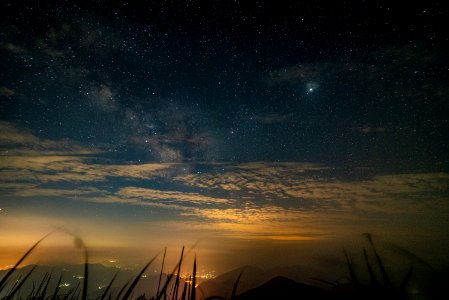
(370,278)
(284,288)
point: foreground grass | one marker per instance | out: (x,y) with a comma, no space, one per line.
(9,288)
(378,286)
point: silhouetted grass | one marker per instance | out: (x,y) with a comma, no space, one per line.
(378,286)
(86,273)
(106,290)
(56,291)
(193,293)
(234,287)
(47,279)
(13,269)
(162,268)
(136,280)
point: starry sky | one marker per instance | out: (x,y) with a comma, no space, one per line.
(247,127)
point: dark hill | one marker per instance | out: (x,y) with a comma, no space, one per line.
(285,288)
(222,284)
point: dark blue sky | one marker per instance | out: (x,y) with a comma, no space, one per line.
(342,84)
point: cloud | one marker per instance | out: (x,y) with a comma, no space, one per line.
(369,129)
(266,222)
(111,199)
(258,200)
(170,132)
(103,97)
(273,118)
(63,41)
(15,140)
(29,158)
(7,92)
(257,177)
(373,70)
(182,197)
(32,191)
(16,49)
(8,186)
(181,201)
(311,207)
(303,189)
(269,167)
(295,74)
(165,153)
(201,213)
(44,169)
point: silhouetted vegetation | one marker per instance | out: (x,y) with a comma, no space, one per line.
(375,283)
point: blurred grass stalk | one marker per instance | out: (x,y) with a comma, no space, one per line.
(378,286)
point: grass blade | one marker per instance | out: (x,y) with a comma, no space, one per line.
(18,286)
(379,261)
(329,283)
(189,293)
(175,291)
(55,293)
(108,287)
(44,291)
(234,288)
(75,293)
(136,280)
(2,282)
(193,295)
(413,257)
(184,291)
(163,291)
(31,295)
(352,276)
(33,292)
(41,285)
(121,291)
(406,280)
(162,268)
(86,273)
(372,276)
(15,284)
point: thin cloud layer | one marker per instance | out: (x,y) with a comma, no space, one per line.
(45,169)
(15,140)
(292,187)
(182,197)
(258,200)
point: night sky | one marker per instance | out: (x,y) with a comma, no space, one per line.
(250,127)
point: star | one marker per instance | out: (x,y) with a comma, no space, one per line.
(311,86)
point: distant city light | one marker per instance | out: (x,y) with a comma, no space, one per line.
(65,284)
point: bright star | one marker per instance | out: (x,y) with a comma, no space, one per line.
(311,86)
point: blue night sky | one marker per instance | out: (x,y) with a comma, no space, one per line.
(249,126)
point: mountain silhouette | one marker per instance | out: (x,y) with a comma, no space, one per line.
(284,288)
(222,284)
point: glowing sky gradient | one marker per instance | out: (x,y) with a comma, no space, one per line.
(253,129)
